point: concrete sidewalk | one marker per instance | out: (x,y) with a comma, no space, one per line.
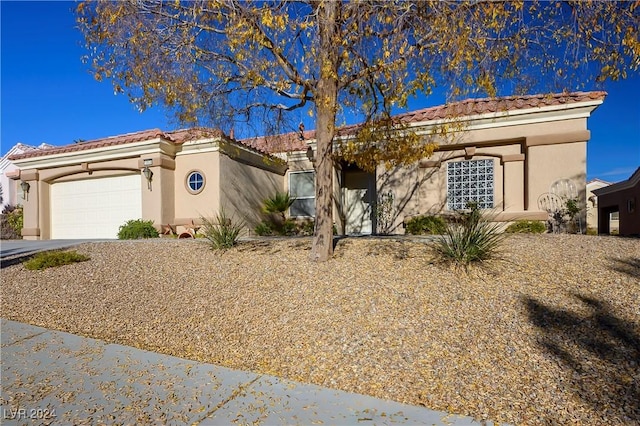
(51,377)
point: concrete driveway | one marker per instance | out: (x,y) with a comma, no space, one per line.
(23,248)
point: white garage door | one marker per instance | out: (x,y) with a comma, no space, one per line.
(94,208)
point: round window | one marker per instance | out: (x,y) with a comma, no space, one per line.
(195,182)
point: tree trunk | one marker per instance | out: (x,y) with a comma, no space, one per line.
(326,107)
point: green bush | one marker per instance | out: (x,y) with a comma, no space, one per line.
(136,229)
(473,238)
(279,203)
(222,231)
(263,229)
(526,227)
(425,225)
(50,259)
(289,228)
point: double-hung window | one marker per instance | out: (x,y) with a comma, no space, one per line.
(470,182)
(302,188)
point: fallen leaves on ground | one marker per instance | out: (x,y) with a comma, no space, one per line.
(547,334)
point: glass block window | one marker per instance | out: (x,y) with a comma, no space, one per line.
(470,181)
(302,187)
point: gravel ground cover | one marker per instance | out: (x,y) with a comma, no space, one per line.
(547,334)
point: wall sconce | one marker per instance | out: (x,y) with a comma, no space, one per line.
(310,155)
(149,175)
(25,189)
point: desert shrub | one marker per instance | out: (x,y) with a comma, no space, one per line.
(425,225)
(307,227)
(279,203)
(473,238)
(222,231)
(273,210)
(263,229)
(12,221)
(136,229)
(50,259)
(527,227)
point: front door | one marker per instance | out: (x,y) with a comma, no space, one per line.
(359,196)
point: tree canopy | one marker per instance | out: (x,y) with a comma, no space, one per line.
(264,63)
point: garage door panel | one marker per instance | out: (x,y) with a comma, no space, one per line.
(94,208)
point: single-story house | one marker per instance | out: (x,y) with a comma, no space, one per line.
(508,154)
(89,189)
(622,198)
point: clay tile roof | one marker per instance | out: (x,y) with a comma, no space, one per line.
(97,143)
(183,135)
(290,141)
(489,105)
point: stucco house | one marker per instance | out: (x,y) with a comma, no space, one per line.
(89,189)
(507,155)
(622,198)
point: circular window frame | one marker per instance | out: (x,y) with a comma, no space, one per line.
(188,186)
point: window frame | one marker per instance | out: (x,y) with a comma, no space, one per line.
(312,197)
(453,205)
(187,182)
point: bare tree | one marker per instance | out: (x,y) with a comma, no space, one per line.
(227,61)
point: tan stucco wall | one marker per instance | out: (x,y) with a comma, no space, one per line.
(547,163)
(527,160)
(190,206)
(245,187)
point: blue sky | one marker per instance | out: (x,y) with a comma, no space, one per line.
(49,95)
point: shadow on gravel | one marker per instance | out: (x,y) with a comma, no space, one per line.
(5,263)
(599,352)
(629,266)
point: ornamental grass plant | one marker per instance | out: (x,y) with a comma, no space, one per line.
(472,238)
(50,259)
(222,231)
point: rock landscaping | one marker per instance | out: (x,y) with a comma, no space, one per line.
(549,333)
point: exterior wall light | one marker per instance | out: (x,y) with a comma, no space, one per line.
(310,156)
(25,189)
(148,174)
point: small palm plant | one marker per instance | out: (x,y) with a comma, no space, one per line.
(275,208)
(473,239)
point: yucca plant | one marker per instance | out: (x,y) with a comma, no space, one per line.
(222,231)
(474,238)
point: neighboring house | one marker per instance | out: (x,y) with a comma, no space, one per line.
(510,153)
(592,205)
(622,198)
(11,190)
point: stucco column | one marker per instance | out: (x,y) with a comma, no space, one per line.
(158,195)
(514,182)
(31,217)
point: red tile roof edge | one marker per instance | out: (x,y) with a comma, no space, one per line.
(474,106)
(288,142)
(177,137)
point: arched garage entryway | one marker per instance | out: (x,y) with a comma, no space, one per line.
(94,208)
